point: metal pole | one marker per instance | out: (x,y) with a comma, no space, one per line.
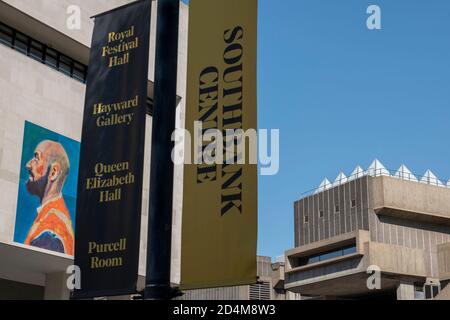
(157,283)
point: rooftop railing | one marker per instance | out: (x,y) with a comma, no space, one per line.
(428,178)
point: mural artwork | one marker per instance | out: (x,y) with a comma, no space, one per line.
(46,204)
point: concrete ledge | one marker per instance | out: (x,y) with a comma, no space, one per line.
(357,238)
(325,263)
(414,216)
(411,200)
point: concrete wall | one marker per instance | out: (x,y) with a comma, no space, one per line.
(409,233)
(411,197)
(265,273)
(332,223)
(404,226)
(396,259)
(444,261)
(34,92)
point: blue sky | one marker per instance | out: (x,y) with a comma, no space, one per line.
(343,95)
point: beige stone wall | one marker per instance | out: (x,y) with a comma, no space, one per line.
(54,14)
(34,92)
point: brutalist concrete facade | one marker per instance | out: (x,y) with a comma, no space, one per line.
(401,228)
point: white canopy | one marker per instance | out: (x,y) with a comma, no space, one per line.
(357,173)
(430,178)
(377,169)
(340,179)
(325,185)
(404,173)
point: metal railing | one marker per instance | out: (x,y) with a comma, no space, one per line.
(407,176)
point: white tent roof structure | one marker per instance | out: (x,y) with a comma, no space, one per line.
(430,178)
(340,179)
(325,185)
(404,173)
(377,169)
(357,173)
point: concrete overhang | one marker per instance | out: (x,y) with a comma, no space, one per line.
(30,265)
(347,275)
(22,264)
(351,285)
(411,200)
(44,33)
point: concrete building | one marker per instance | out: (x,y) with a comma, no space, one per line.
(270,286)
(395,223)
(42,75)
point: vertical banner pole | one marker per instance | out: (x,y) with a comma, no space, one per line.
(157,283)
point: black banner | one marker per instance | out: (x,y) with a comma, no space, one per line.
(112,152)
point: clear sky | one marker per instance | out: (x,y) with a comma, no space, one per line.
(343,95)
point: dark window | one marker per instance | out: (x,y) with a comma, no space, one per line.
(65,65)
(435,290)
(37,51)
(336,209)
(79,72)
(313,260)
(428,294)
(306,218)
(51,58)
(432,290)
(321,213)
(353,203)
(332,254)
(6,35)
(21,43)
(42,53)
(349,250)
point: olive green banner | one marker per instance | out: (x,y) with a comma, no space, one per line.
(219,226)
